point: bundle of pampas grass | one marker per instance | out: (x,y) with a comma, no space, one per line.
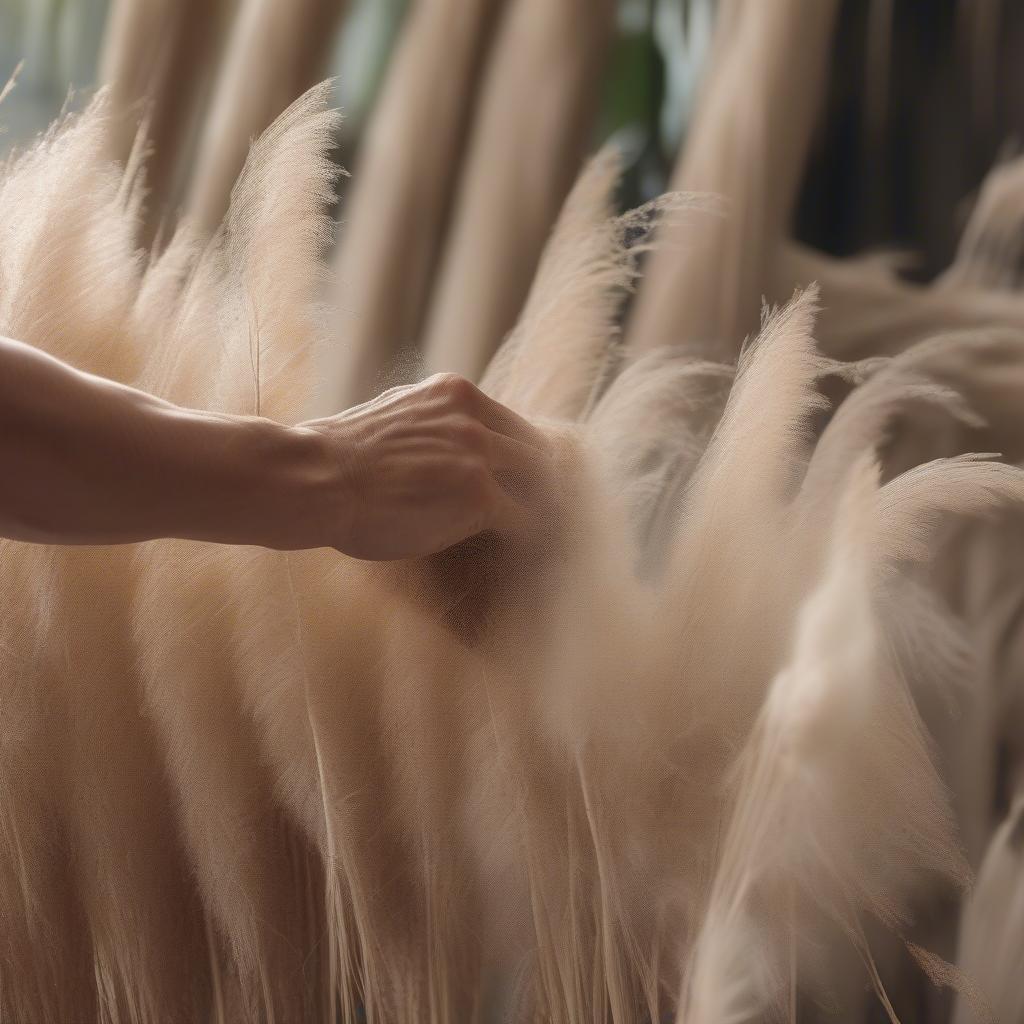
(158,59)
(724,738)
(664,759)
(404,183)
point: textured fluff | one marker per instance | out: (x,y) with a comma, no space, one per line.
(810,843)
(993,927)
(679,771)
(275,52)
(870,312)
(989,254)
(587,270)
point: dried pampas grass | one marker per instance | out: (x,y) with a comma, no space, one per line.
(719,741)
(749,141)
(990,942)
(275,52)
(679,769)
(404,186)
(530,130)
(158,60)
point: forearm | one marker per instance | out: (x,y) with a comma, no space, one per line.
(88,461)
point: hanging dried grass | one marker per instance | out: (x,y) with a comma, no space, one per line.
(530,131)
(404,185)
(678,771)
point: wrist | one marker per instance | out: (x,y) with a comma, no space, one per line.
(315,491)
(252,481)
(298,487)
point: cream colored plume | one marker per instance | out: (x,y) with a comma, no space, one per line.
(663,758)
(992,930)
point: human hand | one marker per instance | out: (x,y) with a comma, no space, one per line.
(422,467)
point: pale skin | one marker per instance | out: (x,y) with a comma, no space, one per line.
(84,460)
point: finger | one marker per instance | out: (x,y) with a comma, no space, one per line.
(526,473)
(508,516)
(530,529)
(503,420)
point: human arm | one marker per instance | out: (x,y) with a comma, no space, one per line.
(84,460)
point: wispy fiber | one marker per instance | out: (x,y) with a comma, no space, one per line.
(669,757)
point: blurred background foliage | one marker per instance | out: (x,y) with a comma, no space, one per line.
(921,102)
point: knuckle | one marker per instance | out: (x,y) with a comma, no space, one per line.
(453,387)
